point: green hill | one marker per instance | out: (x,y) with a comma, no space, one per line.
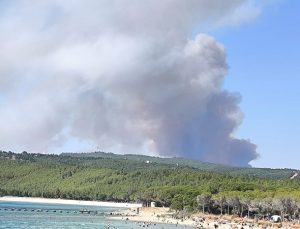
(126,178)
(205,166)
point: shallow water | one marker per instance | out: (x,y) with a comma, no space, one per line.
(60,216)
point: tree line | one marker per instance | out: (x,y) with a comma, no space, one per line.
(242,205)
(122,180)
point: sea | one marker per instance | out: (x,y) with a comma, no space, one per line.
(60,216)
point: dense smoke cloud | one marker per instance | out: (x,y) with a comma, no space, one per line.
(127,76)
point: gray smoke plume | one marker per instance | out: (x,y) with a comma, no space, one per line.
(127,76)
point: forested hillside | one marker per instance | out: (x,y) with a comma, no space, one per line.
(205,166)
(125,179)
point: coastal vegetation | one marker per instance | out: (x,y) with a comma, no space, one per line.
(145,179)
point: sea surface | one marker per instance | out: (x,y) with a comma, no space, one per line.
(59,216)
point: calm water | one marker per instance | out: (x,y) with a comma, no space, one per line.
(31,215)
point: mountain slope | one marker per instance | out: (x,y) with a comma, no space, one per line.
(205,166)
(110,177)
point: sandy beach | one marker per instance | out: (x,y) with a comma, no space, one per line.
(164,215)
(151,215)
(72,202)
(137,213)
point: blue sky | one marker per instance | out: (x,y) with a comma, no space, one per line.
(264,62)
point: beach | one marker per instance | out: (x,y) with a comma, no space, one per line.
(29,215)
(132,212)
(71,202)
(198,220)
(151,215)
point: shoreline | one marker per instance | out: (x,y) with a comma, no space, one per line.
(136,213)
(197,220)
(153,215)
(68,202)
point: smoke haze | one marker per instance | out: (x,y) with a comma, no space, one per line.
(127,76)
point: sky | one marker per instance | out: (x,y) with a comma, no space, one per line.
(209,80)
(264,60)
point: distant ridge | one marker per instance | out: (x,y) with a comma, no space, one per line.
(205,166)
